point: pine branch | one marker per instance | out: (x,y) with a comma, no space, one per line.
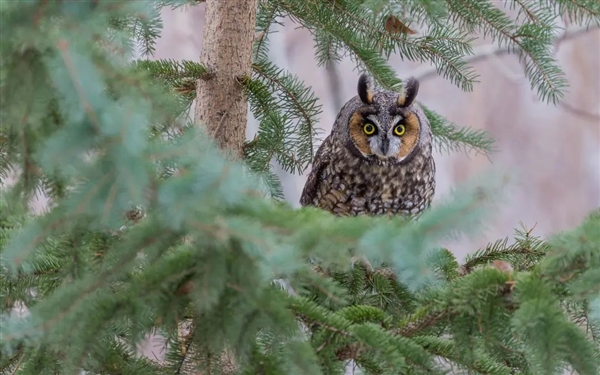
(484,52)
(270,138)
(449,137)
(479,361)
(531,41)
(418,325)
(396,350)
(180,75)
(13,363)
(364,39)
(298,105)
(176,4)
(534,12)
(524,252)
(580,11)
(266,16)
(141,27)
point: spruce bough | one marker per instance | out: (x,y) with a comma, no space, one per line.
(217,247)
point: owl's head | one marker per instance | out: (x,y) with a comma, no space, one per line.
(383,126)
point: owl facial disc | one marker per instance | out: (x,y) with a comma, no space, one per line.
(383,125)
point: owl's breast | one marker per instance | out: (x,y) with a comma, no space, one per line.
(350,187)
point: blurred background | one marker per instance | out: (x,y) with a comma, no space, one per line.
(553,152)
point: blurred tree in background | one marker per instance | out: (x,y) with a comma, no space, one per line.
(157,226)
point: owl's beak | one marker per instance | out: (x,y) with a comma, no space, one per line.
(385,146)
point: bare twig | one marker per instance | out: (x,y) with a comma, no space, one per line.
(580,112)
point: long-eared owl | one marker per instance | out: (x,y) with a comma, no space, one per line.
(377,160)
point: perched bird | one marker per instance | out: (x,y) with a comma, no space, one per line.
(377,159)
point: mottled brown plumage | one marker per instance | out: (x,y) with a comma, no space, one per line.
(377,159)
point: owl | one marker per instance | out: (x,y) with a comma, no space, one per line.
(377,160)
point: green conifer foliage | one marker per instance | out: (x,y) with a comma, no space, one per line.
(212,243)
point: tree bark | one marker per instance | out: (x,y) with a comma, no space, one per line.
(222,104)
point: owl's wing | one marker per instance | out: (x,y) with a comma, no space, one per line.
(320,161)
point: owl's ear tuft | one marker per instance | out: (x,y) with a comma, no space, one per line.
(411,89)
(365,88)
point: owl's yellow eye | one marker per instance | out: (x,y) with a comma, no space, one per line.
(369,128)
(399,130)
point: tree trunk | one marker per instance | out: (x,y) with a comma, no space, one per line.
(227,54)
(222,105)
